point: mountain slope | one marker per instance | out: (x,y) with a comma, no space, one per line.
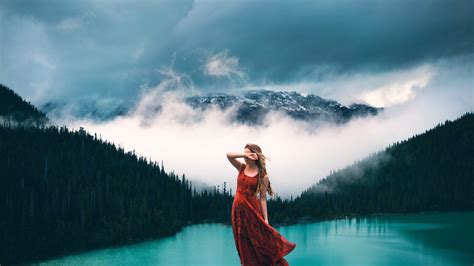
(253,105)
(427,172)
(16,111)
(64,191)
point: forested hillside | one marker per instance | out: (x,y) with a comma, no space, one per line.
(64,191)
(433,171)
(14,110)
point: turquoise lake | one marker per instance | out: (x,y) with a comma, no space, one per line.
(403,239)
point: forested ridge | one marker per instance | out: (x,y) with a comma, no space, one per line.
(64,191)
(433,171)
(14,110)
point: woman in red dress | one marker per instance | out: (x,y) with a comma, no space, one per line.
(256,241)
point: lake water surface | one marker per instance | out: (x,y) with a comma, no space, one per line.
(402,239)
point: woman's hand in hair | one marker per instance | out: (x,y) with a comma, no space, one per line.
(252,156)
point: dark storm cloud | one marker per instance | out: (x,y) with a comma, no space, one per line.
(49,11)
(68,49)
(286,41)
(72,48)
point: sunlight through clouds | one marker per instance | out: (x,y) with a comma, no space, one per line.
(400,90)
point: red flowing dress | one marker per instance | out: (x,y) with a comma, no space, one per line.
(257,242)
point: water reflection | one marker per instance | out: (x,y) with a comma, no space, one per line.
(435,239)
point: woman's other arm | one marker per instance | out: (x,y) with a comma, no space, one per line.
(263,198)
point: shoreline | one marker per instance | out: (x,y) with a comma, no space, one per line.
(309,219)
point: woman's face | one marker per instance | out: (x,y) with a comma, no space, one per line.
(247,160)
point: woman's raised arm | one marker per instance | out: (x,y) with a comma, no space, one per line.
(231,156)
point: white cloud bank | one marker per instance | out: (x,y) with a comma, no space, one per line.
(195,143)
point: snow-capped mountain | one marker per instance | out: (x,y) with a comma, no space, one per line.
(253,105)
(250,107)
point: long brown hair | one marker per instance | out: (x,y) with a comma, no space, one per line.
(262,170)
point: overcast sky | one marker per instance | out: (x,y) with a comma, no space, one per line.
(414,58)
(53,48)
